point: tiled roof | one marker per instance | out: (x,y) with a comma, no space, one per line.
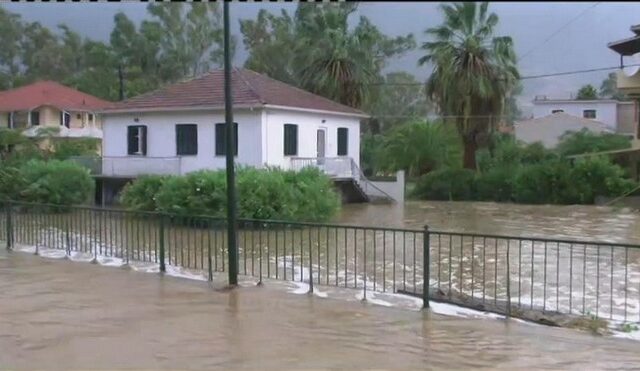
(249,88)
(49,93)
(550,128)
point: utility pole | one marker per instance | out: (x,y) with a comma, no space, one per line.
(231,182)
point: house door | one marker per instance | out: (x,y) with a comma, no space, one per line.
(321,145)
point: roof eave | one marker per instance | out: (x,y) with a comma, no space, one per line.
(174,109)
(311,110)
(626,47)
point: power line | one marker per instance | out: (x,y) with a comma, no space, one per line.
(575,72)
(558,30)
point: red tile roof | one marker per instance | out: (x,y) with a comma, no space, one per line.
(49,93)
(249,88)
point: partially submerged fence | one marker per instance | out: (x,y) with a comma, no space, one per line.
(499,273)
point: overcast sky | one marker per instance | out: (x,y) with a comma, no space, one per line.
(580,45)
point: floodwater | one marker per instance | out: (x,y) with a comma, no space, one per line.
(582,222)
(58,314)
(598,279)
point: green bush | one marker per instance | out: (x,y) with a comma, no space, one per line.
(11,183)
(307,195)
(584,141)
(496,184)
(55,182)
(446,184)
(63,148)
(547,182)
(197,193)
(141,194)
(597,176)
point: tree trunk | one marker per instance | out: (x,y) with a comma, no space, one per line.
(469,156)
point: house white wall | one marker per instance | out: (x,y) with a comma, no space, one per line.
(308,125)
(606,110)
(260,142)
(161,139)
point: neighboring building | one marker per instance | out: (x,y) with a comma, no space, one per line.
(181,128)
(48,104)
(617,116)
(549,129)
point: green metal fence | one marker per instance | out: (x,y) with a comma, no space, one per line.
(498,273)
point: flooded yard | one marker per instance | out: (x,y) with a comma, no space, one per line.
(58,314)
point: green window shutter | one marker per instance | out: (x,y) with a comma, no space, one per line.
(343,141)
(221,139)
(132,140)
(186,139)
(290,140)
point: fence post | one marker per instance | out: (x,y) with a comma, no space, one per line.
(163,268)
(508,281)
(9,228)
(310,265)
(426,267)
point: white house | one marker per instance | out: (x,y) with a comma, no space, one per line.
(180,128)
(549,129)
(618,116)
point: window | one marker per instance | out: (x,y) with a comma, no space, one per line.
(186,139)
(589,113)
(343,141)
(10,120)
(557,111)
(90,118)
(35,118)
(290,140)
(137,140)
(221,139)
(79,116)
(65,119)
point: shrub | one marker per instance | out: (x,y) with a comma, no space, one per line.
(314,195)
(141,194)
(495,184)
(55,182)
(597,176)
(446,184)
(307,195)
(197,193)
(11,183)
(546,182)
(68,147)
(584,141)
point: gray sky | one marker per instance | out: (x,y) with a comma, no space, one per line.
(581,45)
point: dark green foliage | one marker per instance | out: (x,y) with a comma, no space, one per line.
(549,182)
(587,92)
(495,185)
(55,182)
(446,184)
(597,176)
(68,147)
(141,195)
(584,141)
(307,195)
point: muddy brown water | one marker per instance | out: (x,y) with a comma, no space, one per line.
(58,314)
(582,279)
(581,222)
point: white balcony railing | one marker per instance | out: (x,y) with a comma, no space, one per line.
(135,166)
(340,168)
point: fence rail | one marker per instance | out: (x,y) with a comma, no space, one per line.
(503,272)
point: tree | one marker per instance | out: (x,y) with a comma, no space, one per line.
(11,33)
(316,50)
(584,141)
(420,147)
(398,99)
(609,88)
(587,92)
(473,72)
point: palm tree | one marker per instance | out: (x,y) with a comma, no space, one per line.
(473,72)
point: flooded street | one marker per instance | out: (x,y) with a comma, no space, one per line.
(58,314)
(582,222)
